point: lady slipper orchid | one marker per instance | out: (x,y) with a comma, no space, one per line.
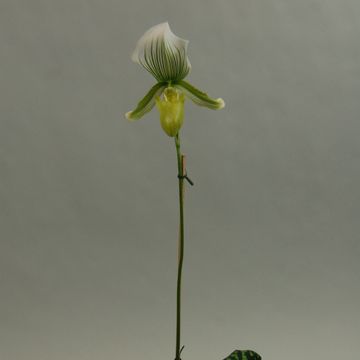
(164,55)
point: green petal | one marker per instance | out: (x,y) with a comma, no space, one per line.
(198,96)
(147,103)
(163,54)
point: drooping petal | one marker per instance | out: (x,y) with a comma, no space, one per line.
(147,103)
(199,97)
(163,54)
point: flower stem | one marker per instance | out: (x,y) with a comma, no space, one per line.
(181,173)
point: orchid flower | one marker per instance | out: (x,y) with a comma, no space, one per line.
(164,55)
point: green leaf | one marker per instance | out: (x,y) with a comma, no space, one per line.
(199,97)
(147,103)
(243,355)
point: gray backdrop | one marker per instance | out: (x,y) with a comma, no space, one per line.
(88,205)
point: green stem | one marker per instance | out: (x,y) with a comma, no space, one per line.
(180,163)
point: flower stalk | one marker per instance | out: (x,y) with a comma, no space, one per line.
(181,174)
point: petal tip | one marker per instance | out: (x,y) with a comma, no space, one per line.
(221,103)
(128,116)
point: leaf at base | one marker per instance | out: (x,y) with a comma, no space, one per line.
(243,355)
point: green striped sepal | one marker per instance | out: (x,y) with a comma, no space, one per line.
(163,54)
(243,355)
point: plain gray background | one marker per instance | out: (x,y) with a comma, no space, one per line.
(88,201)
